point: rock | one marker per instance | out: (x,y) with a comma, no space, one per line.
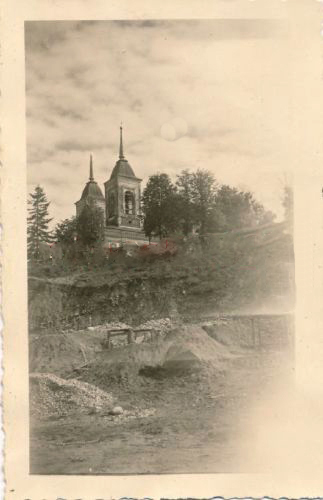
(117,410)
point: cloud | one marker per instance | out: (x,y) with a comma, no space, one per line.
(70,145)
(197,93)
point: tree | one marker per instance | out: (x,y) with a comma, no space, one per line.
(263,216)
(203,191)
(90,225)
(197,197)
(184,184)
(38,221)
(236,209)
(159,206)
(65,231)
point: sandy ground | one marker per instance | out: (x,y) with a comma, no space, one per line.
(173,424)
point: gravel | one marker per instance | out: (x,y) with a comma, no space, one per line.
(55,396)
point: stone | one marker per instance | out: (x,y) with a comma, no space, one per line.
(117,410)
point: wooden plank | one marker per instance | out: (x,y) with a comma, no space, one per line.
(118,329)
(116,333)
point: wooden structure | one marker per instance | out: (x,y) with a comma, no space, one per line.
(150,334)
(256,331)
(258,335)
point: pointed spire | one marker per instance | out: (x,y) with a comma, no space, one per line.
(121,156)
(91,169)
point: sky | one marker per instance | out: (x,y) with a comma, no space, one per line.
(190,94)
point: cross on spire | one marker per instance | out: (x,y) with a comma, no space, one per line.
(91,169)
(121,156)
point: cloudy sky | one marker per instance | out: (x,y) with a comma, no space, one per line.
(191,94)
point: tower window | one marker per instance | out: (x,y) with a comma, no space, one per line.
(129,201)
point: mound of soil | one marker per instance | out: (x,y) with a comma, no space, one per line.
(121,366)
(192,348)
(60,353)
(188,348)
(52,396)
(229,332)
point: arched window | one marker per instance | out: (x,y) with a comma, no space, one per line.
(129,202)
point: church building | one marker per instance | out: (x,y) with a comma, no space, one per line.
(121,203)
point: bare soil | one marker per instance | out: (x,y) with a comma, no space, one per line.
(187,422)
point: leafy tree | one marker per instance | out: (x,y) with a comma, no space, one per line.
(159,206)
(65,230)
(203,191)
(90,225)
(188,217)
(236,209)
(197,199)
(263,216)
(38,221)
(197,192)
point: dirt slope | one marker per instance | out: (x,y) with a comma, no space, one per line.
(60,353)
(232,271)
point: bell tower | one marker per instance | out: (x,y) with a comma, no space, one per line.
(122,195)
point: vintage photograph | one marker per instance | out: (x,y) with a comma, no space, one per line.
(160,242)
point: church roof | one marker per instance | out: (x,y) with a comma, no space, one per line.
(92,189)
(122,167)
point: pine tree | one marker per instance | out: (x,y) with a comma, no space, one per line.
(37,222)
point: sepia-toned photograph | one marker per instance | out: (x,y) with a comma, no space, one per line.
(161,283)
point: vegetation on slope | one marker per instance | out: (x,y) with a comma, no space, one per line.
(242,270)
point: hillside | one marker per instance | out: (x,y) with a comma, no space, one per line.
(246,270)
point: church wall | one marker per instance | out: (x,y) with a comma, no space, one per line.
(79,207)
(110,188)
